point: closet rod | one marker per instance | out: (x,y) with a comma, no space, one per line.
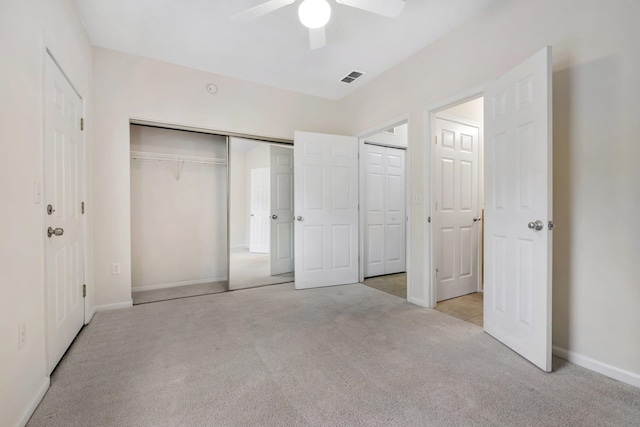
(143,155)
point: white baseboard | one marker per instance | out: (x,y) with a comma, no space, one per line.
(597,366)
(239,247)
(138,288)
(106,307)
(91,314)
(34,403)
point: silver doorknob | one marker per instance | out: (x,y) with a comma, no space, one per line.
(54,232)
(274,216)
(538,225)
(299,218)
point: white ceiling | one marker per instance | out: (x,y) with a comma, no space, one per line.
(273,50)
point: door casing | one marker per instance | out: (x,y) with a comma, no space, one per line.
(430,113)
(434,183)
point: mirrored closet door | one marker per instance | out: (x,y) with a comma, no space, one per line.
(260,213)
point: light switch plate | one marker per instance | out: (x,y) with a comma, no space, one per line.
(417,198)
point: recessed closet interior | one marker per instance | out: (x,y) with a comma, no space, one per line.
(178,213)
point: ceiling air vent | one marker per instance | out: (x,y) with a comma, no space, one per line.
(352,76)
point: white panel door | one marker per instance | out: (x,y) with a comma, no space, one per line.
(518,208)
(326,209)
(281,210)
(259,225)
(63,172)
(385,217)
(457,209)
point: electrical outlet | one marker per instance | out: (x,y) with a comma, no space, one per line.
(22,335)
(115,268)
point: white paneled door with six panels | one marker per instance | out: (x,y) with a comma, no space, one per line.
(326,210)
(281,210)
(457,211)
(63,172)
(518,209)
(384,206)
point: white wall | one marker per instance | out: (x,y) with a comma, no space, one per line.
(178,227)
(397,139)
(24,27)
(472,110)
(127,86)
(596,297)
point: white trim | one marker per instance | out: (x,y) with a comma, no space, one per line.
(90,315)
(139,288)
(33,405)
(115,306)
(597,366)
(429,126)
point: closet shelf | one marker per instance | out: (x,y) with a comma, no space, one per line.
(143,155)
(180,160)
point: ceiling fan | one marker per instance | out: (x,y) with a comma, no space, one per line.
(315,14)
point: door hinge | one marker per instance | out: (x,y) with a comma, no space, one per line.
(84,291)
(82,124)
(437,271)
(436,139)
(82,208)
(429,220)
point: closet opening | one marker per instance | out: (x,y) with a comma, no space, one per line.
(178,213)
(384,210)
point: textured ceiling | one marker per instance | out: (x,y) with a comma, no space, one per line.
(273,50)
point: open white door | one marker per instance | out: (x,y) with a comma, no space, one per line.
(259,226)
(518,209)
(63,157)
(281,210)
(326,209)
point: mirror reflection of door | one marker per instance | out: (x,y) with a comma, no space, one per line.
(261,213)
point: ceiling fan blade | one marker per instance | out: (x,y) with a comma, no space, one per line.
(260,10)
(388,8)
(317,38)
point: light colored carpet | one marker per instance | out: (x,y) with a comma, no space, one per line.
(187,291)
(250,270)
(340,356)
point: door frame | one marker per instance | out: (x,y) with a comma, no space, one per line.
(362,137)
(48,51)
(439,115)
(430,113)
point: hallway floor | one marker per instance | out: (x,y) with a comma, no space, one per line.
(466,307)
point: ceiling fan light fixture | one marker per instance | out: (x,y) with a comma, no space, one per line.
(314,13)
